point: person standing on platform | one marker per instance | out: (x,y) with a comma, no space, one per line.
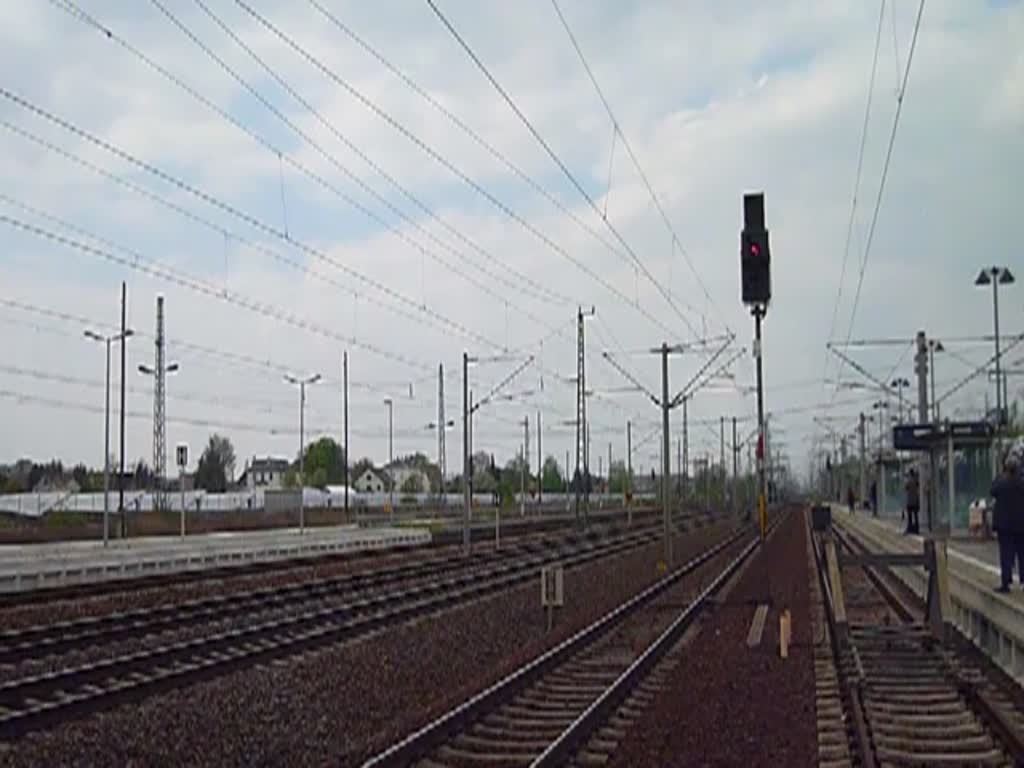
(1008,521)
(913,489)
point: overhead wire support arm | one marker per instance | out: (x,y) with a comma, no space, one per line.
(685,391)
(501,385)
(717,372)
(857,367)
(614,363)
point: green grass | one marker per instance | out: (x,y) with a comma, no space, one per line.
(60,518)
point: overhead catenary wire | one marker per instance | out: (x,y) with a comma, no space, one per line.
(857,177)
(557,160)
(885,167)
(620,134)
(237,213)
(533,289)
(541,290)
(461,124)
(316,178)
(64,404)
(397,125)
(226,233)
(140,263)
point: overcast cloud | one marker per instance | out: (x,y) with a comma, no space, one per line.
(715,99)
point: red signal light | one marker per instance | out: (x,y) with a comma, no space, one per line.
(755,249)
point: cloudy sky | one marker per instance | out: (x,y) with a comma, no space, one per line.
(296,185)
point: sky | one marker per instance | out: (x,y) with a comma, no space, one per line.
(299,181)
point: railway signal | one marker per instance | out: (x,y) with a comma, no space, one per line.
(756,292)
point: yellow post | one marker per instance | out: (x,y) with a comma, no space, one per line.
(762,515)
(784,634)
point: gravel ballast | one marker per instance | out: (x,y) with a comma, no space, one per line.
(726,704)
(341,704)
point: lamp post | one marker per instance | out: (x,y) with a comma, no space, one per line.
(389,404)
(934,345)
(900,383)
(996,276)
(311,379)
(107,340)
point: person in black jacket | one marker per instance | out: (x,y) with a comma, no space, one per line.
(1008,521)
(913,489)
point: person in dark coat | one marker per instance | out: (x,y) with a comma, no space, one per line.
(851,500)
(1008,521)
(913,489)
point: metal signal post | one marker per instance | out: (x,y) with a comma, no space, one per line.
(762,485)
(756,291)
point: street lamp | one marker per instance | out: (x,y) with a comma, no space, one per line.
(900,383)
(934,345)
(107,340)
(312,379)
(389,403)
(996,276)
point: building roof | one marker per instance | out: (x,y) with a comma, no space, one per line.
(268,464)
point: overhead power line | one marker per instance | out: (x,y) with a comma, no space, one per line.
(557,160)
(539,290)
(63,404)
(856,182)
(283,157)
(617,126)
(397,125)
(140,263)
(885,168)
(237,213)
(229,235)
(535,290)
(467,130)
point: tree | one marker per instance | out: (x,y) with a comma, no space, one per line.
(413,484)
(552,480)
(617,477)
(484,479)
(319,478)
(327,455)
(216,465)
(142,475)
(80,474)
(290,479)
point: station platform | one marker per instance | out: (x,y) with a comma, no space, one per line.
(25,567)
(992,621)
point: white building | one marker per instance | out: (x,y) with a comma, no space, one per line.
(371,481)
(264,473)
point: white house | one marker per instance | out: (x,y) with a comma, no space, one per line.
(264,473)
(370,481)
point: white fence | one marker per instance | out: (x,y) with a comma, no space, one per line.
(38,504)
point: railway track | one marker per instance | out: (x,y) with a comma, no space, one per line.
(909,698)
(43,640)
(38,700)
(574,702)
(605,523)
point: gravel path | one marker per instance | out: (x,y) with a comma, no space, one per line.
(727,704)
(338,705)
